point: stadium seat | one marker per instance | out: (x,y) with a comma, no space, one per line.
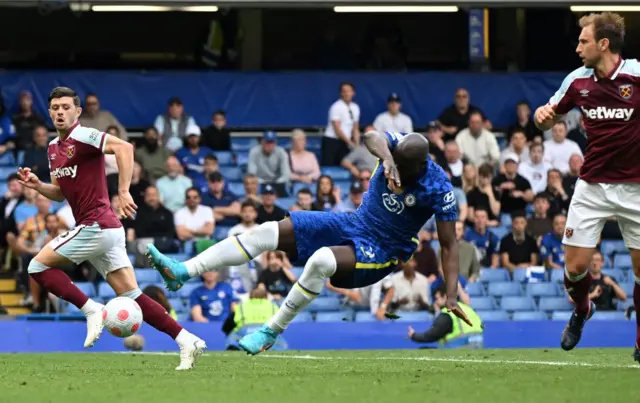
(435,245)
(345,316)
(493,316)
(147,275)
(184,317)
(325,304)
(132,258)
(225,158)
(56,205)
(297,186)
(178,305)
(623,305)
(475,290)
(414,317)
(622,261)
(513,304)
(543,290)
(483,303)
(3,187)
(500,232)
(345,187)
(628,288)
(336,173)
(489,275)
(557,276)
(242,158)
(364,316)
(8,160)
(617,274)
(608,315)
(561,315)
(520,275)
(237,188)
(221,232)
(88,288)
(504,289)
(231,173)
(243,143)
(297,271)
(70,308)
(505,220)
(303,317)
(314,143)
(610,247)
(555,304)
(105,291)
(286,202)
(284,142)
(530,315)
(186,290)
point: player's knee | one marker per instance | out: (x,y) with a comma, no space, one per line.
(577,260)
(322,262)
(263,237)
(133,294)
(36,267)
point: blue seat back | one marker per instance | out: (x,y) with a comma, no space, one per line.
(337,316)
(337,173)
(504,289)
(324,304)
(517,304)
(414,317)
(493,316)
(543,290)
(488,275)
(622,261)
(530,315)
(483,303)
(231,173)
(555,304)
(225,158)
(476,289)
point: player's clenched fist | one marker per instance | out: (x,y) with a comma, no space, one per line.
(545,114)
(127,207)
(28,178)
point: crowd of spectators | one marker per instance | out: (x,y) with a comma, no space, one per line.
(513,189)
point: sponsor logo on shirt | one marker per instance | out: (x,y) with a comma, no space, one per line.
(450,201)
(65,172)
(602,112)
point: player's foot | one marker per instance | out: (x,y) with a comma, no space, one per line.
(636,354)
(190,351)
(94,326)
(573,332)
(259,341)
(173,273)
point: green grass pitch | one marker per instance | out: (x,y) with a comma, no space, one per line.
(583,375)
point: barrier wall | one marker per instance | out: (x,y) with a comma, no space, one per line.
(29,336)
(284,99)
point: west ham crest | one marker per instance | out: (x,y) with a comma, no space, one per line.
(568,232)
(625,91)
(71,150)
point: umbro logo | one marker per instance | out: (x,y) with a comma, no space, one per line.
(584,93)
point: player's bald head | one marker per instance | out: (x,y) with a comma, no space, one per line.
(411,156)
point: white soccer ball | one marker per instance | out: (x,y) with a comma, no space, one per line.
(122,317)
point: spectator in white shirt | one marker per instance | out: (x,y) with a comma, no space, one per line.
(173,185)
(536,169)
(175,122)
(410,289)
(517,146)
(559,149)
(478,144)
(454,162)
(342,132)
(393,120)
(194,220)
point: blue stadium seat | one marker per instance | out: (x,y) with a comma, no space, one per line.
(344,185)
(476,290)
(242,158)
(435,245)
(237,188)
(628,287)
(105,291)
(493,316)
(6,171)
(414,317)
(72,309)
(520,275)
(221,232)
(622,261)
(224,158)
(555,304)
(314,143)
(303,317)
(623,305)
(338,316)
(184,317)
(500,232)
(364,316)
(297,271)
(284,142)
(132,258)
(231,173)
(178,305)
(494,275)
(19,158)
(617,274)
(180,257)
(505,220)
(186,290)
(608,315)
(3,187)
(243,143)
(88,288)
(543,290)
(56,205)
(557,276)
(147,275)
(325,304)
(517,304)
(483,303)
(7,159)
(336,173)
(297,186)
(561,315)
(530,315)
(610,247)
(286,202)
(504,289)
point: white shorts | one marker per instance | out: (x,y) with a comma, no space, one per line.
(593,203)
(105,249)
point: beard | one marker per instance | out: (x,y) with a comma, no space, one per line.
(151,145)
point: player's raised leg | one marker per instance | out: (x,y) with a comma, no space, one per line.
(42,269)
(123,282)
(322,265)
(232,251)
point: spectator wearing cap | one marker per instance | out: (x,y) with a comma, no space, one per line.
(269,211)
(535,170)
(393,120)
(517,146)
(525,124)
(211,165)
(304,164)
(25,121)
(173,185)
(353,201)
(93,116)
(226,207)
(342,132)
(192,155)
(152,155)
(270,163)
(217,136)
(477,143)
(456,117)
(512,188)
(194,221)
(175,122)
(435,135)
(360,159)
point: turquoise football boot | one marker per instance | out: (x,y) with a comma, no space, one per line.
(259,341)
(173,273)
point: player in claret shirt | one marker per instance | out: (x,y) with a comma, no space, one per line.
(609,185)
(76,162)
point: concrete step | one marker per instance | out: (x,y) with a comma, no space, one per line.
(18,311)
(7,285)
(10,299)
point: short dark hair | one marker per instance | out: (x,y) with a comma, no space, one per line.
(554,170)
(61,92)
(219,112)
(305,191)
(561,122)
(13,177)
(248,203)
(192,189)
(342,84)
(211,157)
(534,145)
(523,102)
(485,170)
(518,213)
(113,127)
(91,94)
(174,101)
(215,177)
(477,209)
(542,195)
(476,112)
(50,215)
(518,130)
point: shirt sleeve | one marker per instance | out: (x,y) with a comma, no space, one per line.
(91,137)
(544,249)
(334,113)
(177,218)
(564,98)
(442,326)
(444,203)
(394,138)
(208,215)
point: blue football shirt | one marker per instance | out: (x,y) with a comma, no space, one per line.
(193,163)
(551,245)
(215,302)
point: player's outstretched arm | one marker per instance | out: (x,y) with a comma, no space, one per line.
(377,145)
(50,191)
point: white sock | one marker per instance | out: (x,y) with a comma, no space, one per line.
(183,337)
(320,266)
(235,250)
(90,307)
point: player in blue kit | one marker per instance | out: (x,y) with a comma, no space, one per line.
(352,250)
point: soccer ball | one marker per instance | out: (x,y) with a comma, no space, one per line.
(122,317)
